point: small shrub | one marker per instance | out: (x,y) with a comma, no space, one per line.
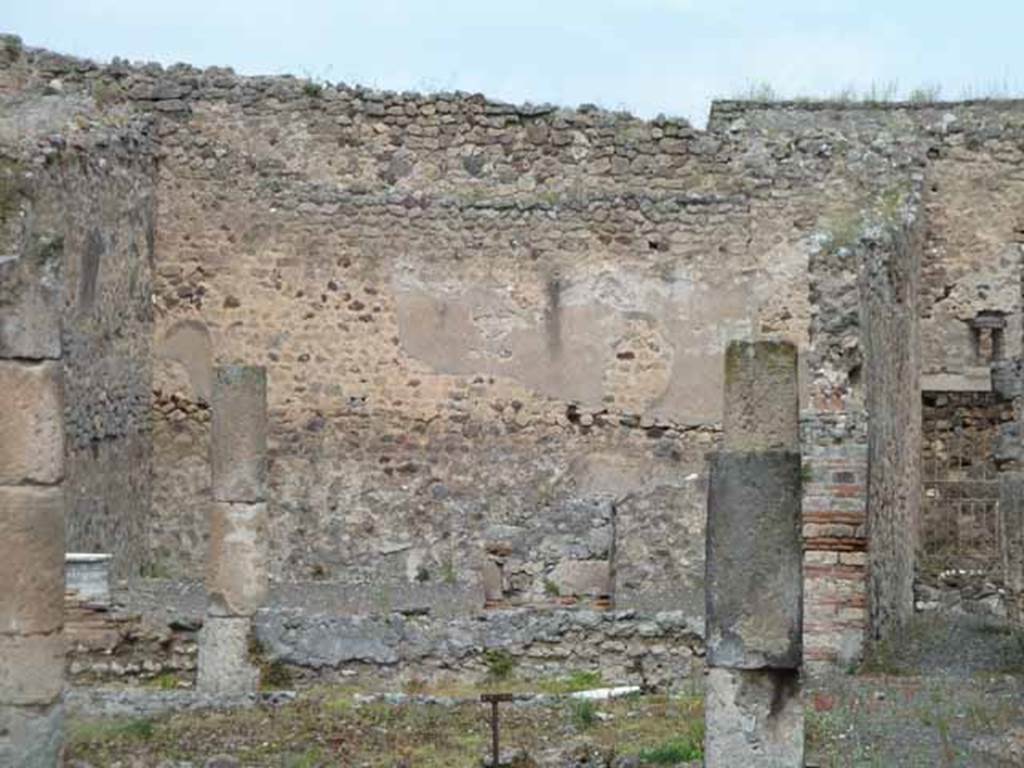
(678,750)
(313,89)
(105,93)
(500,664)
(584,713)
(551,589)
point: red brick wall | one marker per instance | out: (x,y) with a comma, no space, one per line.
(835,454)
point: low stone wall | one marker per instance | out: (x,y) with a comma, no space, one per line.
(156,646)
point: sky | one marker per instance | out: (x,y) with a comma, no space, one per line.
(646,56)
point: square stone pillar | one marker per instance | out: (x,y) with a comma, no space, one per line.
(32,505)
(238,433)
(236,573)
(754,566)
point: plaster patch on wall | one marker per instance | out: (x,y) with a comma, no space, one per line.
(568,344)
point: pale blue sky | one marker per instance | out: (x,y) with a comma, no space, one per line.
(648,56)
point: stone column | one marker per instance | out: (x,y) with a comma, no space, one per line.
(236,577)
(31,547)
(753,711)
(1011,518)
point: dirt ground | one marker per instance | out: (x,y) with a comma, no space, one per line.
(951,694)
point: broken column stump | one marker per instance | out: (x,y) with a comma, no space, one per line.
(236,575)
(31,554)
(753,711)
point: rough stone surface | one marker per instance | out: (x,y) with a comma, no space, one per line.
(76,258)
(31,736)
(1011,513)
(478,316)
(30,293)
(224,664)
(238,449)
(31,422)
(583,577)
(659,650)
(753,718)
(762,404)
(32,672)
(890,288)
(754,554)
(237,570)
(835,457)
(32,564)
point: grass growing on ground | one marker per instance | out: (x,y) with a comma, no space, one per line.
(584,713)
(329,726)
(580,680)
(675,751)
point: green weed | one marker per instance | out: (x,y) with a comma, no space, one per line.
(584,713)
(678,750)
(500,664)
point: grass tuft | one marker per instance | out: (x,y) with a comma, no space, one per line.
(678,750)
(584,713)
(500,664)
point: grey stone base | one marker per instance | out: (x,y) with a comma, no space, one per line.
(224,666)
(31,737)
(753,718)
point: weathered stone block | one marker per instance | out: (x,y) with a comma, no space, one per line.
(238,445)
(762,406)
(32,668)
(753,718)
(31,737)
(583,577)
(236,577)
(224,666)
(31,422)
(32,568)
(754,561)
(1011,516)
(30,328)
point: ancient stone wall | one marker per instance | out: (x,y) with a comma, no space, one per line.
(78,212)
(493,333)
